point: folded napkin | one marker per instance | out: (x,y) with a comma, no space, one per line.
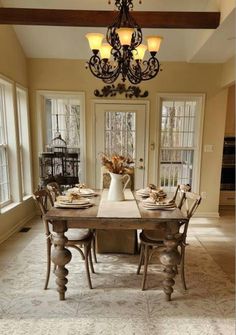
(69,197)
(157,195)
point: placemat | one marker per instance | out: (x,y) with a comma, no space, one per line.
(118,209)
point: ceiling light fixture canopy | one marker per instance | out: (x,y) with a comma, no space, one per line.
(124,53)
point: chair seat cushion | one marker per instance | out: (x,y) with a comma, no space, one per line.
(77,234)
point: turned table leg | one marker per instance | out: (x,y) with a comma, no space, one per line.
(60,257)
(170,258)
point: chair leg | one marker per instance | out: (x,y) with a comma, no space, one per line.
(94,248)
(140,259)
(90,259)
(78,249)
(146,258)
(182,272)
(49,245)
(86,254)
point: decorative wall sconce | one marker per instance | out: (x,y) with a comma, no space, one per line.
(130,92)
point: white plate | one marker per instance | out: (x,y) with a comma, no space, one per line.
(81,201)
(83,192)
(160,208)
(166,202)
(86,192)
(71,205)
(152,205)
(143,193)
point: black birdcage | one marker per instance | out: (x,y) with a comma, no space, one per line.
(59,165)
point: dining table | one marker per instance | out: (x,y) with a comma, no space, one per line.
(127,214)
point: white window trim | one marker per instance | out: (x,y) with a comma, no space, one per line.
(28,159)
(13,144)
(197,164)
(41,95)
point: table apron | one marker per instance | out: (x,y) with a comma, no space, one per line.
(117,224)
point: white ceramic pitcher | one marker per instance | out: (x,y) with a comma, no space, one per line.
(116,189)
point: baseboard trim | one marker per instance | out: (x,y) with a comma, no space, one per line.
(207,215)
(16,228)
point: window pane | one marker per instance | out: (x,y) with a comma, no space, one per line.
(4,177)
(64,118)
(120,133)
(178,122)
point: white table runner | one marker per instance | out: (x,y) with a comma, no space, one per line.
(118,209)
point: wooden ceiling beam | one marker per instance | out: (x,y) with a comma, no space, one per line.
(90,18)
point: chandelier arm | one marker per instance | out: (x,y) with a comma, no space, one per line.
(134,73)
(103,69)
(152,67)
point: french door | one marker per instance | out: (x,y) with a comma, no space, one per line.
(122,128)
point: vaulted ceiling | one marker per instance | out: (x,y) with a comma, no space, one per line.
(191,45)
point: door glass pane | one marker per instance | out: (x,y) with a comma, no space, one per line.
(120,133)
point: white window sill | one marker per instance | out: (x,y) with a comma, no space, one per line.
(9,207)
(13,205)
(26,197)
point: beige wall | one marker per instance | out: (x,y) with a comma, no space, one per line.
(71,75)
(228,73)
(230,116)
(13,65)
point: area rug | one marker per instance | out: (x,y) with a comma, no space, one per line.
(116,304)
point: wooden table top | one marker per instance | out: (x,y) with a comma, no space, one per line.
(87,217)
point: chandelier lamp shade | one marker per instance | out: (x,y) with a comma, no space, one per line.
(123,53)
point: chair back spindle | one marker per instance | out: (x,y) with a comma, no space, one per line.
(44,200)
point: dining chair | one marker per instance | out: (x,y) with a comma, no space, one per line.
(154,239)
(55,191)
(77,238)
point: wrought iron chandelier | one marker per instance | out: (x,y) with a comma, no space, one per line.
(124,38)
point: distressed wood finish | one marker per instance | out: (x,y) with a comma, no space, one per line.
(170,257)
(167,221)
(60,257)
(92,18)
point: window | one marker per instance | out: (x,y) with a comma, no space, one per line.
(4,167)
(24,141)
(64,115)
(180,139)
